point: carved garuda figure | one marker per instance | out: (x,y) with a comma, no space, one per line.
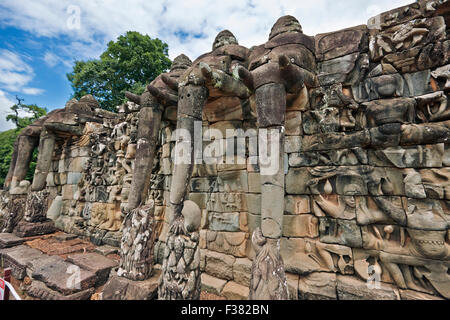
(180,279)
(136,249)
(283,66)
(36,206)
(209,76)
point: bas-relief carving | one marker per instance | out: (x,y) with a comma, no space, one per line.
(405,36)
(413,259)
(371,164)
(304,256)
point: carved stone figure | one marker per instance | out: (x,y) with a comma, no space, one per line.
(180,279)
(276,68)
(138,237)
(159,95)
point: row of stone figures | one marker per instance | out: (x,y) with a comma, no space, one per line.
(269,72)
(269,77)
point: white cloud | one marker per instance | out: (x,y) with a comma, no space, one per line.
(200,20)
(51,59)
(15,73)
(5,105)
(33,91)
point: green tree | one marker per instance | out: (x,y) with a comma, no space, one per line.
(22,115)
(128,64)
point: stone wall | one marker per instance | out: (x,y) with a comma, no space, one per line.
(91,177)
(366,163)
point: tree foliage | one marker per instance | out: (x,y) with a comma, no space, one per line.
(24,114)
(7,138)
(128,64)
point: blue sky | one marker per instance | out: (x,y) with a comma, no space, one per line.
(40,39)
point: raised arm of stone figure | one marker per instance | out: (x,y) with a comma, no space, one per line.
(223,81)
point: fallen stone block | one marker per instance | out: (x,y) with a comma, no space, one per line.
(17,258)
(40,262)
(65,237)
(119,288)
(106,250)
(64,277)
(95,263)
(8,240)
(39,290)
(30,229)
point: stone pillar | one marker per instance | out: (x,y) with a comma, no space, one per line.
(268,280)
(12,165)
(44,161)
(25,149)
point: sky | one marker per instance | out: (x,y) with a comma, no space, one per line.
(41,39)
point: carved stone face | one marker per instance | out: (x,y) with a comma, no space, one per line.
(180,62)
(286,24)
(350,190)
(224,38)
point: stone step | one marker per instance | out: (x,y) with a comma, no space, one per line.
(8,240)
(235,291)
(65,237)
(212,284)
(120,288)
(30,229)
(17,258)
(95,263)
(106,250)
(64,277)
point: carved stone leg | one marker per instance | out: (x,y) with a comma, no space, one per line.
(12,165)
(25,152)
(180,277)
(149,125)
(136,254)
(44,161)
(268,277)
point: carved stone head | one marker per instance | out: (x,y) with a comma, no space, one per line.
(224,38)
(180,62)
(286,24)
